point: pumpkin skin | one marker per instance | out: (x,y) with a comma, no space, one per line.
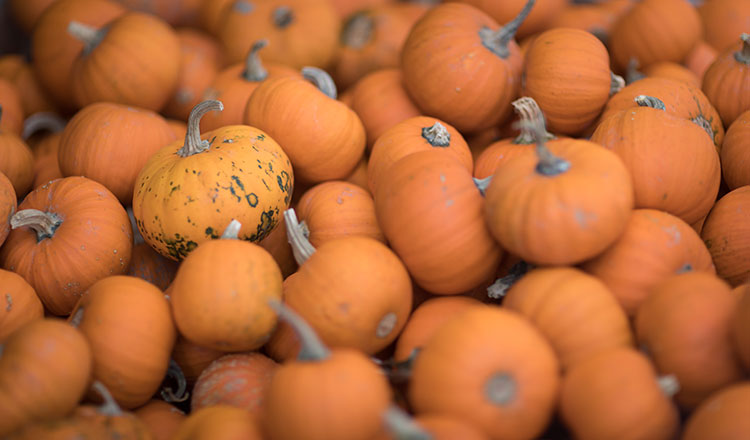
(93,240)
(727,81)
(11,108)
(110,143)
(654,30)
(735,161)
(244,278)
(654,246)
(671,70)
(726,236)
(723,21)
(685,327)
(192,358)
(722,415)
(570,93)
(648,138)
(323,137)
(510,394)
(8,206)
(53,50)
(575,311)
(20,303)
(219,421)
(238,380)
(42,384)
(128,324)
(15,69)
(161,418)
(412,201)
(740,327)
(595,18)
(615,394)
(451,74)
(16,162)
(210,13)
(46,163)
(236,172)
(700,58)
(147,264)
(277,244)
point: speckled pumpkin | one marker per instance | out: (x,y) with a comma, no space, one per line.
(189,191)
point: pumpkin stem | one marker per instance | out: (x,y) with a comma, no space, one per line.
(705,125)
(232,232)
(403,426)
(669,384)
(282,16)
(40,121)
(386,325)
(193,143)
(301,247)
(616,83)
(311,347)
(77,317)
(528,110)
(501,389)
(181,395)
(483,184)
(632,74)
(549,165)
(357,30)
(743,55)
(110,406)
(254,70)
(437,135)
(649,101)
(243,7)
(321,79)
(500,287)
(43,223)
(497,41)
(88,35)
(398,372)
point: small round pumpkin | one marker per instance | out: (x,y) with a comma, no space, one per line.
(34,99)
(727,81)
(19,304)
(735,157)
(725,233)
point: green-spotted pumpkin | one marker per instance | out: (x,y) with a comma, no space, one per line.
(189,191)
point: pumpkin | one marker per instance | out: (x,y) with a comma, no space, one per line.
(20,305)
(42,384)
(685,327)
(672,70)
(234,85)
(540,18)
(210,13)
(54,50)
(376,91)
(735,162)
(200,62)
(133,60)
(740,327)
(179,128)
(420,133)
(300,32)
(218,421)
(575,311)
(353,291)
(596,18)
(323,137)
(431,212)
(571,93)
(335,209)
(161,418)
(239,380)
(8,206)
(66,235)
(649,140)
(654,30)
(110,143)
(26,13)
(11,108)
(461,67)
(372,39)
(727,81)
(722,415)
(16,161)
(700,58)
(722,21)
(538,208)
(617,394)
(189,191)
(337,394)
(511,393)
(14,68)
(726,237)
(244,278)
(128,324)
(192,358)
(147,264)
(654,246)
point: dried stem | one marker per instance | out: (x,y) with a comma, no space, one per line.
(282,16)
(167,393)
(649,101)
(193,143)
(39,121)
(549,165)
(669,385)
(528,110)
(632,74)
(437,135)
(357,30)
(500,287)
(321,79)
(616,83)
(311,347)
(232,230)
(110,406)
(43,223)
(497,41)
(254,70)
(402,426)
(295,231)
(743,55)
(88,35)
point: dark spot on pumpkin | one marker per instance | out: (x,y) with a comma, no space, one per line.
(261,137)
(252,199)
(238,181)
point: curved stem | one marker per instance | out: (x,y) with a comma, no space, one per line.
(549,165)
(193,143)
(669,384)
(43,223)
(437,135)
(282,16)
(254,70)
(321,79)
(232,231)
(500,287)
(311,347)
(483,184)
(402,426)
(357,30)
(743,55)
(528,110)
(616,83)
(649,101)
(88,35)
(705,125)
(181,395)
(110,406)
(295,231)
(39,121)
(386,325)
(77,317)
(632,74)
(497,41)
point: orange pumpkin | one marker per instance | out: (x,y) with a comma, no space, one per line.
(672,70)
(723,21)
(21,304)
(16,161)
(192,358)
(161,418)
(722,416)
(14,68)
(219,422)
(8,206)
(735,160)
(11,108)
(66,235)
(726,237)
(727,81)
(700,58)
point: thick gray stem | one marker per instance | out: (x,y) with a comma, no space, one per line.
(497,41)
(254,70)
(193,143)
(311,347)
(321,79)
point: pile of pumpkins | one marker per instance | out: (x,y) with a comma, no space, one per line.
(376,219)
